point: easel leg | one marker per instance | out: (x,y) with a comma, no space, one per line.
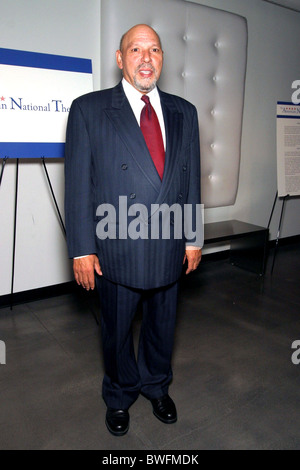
(53,196)
(273,209)
(14,239)
(278,232)
(2,169)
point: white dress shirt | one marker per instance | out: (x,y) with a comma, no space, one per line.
(134,97)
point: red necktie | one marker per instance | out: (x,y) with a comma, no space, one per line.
(152,133)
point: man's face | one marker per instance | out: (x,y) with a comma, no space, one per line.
(141,58)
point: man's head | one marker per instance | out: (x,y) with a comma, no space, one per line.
(140,57)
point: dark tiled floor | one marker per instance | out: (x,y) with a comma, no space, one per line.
(234,384)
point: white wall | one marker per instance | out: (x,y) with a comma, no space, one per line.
(72,27)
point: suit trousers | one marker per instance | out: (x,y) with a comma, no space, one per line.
(150,373)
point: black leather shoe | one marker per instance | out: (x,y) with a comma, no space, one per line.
(117,421)
(164,409)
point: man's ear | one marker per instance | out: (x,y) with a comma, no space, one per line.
(119,59)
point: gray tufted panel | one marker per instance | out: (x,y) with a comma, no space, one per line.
(205,52)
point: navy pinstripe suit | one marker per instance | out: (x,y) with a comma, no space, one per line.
(107,157)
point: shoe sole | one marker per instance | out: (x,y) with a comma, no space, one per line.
(166,421)
(116,433)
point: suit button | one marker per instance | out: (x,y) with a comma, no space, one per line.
(124,166)
(132,196)
(184,168)
(180,196)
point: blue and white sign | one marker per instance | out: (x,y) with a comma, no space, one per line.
(36,92)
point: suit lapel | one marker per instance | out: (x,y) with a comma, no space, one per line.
(174,126)
(125,123)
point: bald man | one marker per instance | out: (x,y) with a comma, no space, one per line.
(131,151)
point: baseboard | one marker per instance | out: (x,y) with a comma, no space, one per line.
(285,241)
(37,294)
(71,287)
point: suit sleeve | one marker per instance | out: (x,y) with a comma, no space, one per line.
(79,188)
(194,231)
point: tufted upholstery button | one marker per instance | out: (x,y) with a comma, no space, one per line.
(183,74)
(185,37)
(124,166)
(212,146)
(132,196)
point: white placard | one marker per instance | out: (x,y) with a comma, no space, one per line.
(288,149)
(36,92)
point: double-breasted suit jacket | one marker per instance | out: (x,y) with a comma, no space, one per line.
(107,157)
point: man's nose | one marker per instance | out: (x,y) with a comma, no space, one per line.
(146,56)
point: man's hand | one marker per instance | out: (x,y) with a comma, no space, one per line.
(84,271)
(193,257)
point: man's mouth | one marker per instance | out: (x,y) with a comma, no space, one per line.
(145,72)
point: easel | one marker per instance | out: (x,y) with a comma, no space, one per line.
(15,217)
(285,198)
(16,211)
